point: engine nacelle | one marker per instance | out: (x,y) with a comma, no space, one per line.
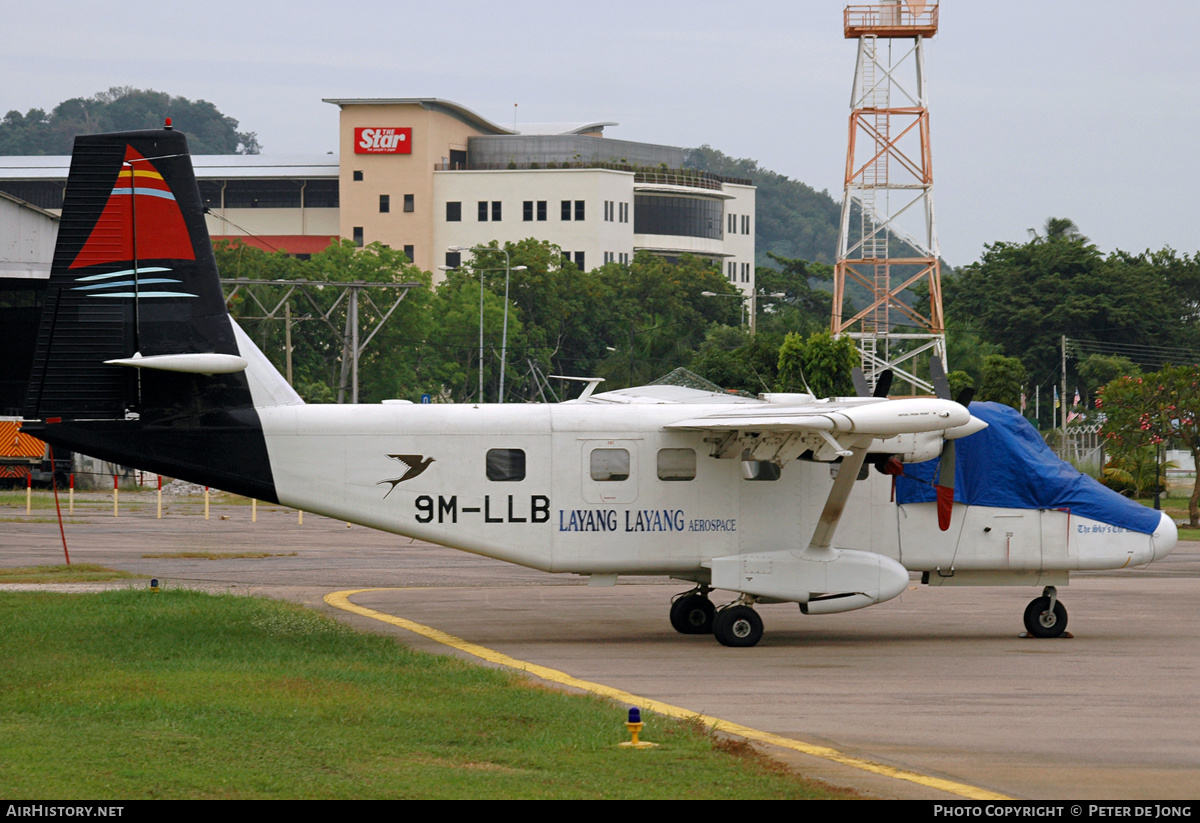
(911,448)
(822,581)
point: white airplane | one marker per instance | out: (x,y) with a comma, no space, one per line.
(139,362)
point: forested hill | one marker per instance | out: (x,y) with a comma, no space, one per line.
(121,109)
(794,220)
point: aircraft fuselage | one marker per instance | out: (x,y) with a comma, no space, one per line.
(606,490)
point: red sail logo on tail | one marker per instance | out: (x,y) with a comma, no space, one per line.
(141,206)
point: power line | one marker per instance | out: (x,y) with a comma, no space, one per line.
(1138,352)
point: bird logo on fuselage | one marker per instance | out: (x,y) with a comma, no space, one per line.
(413,464)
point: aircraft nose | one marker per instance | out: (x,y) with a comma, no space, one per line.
(1164,537)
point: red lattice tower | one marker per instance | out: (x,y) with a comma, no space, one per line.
(887,244)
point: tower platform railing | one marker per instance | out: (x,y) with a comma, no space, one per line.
(892,20)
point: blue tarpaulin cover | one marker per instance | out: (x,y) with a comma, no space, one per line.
(1008,465)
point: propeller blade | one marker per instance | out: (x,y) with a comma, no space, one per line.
(941,386)
(945,481)
(861,387)
(945,485)
(884,384)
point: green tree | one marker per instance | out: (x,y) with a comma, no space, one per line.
(1002,380)
(123,108)
(27,133)
(1098,370)
(959,380)
(1025,297)
(819,364)
(807,303)
(448,359)
(1136,471)
(564,312)
(966,351)
(659,315)
(629,323)
(1058,228)
(387,366)
(1151,409)
(734,359)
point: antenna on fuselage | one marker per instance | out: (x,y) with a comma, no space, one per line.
(592,383)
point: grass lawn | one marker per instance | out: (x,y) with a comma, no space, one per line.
(131,694)
(75,573)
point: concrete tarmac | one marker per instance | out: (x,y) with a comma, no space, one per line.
(939,681)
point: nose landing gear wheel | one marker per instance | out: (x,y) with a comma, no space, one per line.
(738,626)
(692,614)
(1043,621)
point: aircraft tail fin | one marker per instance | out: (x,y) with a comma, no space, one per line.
(137,360)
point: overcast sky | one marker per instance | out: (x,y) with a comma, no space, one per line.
(1067,108)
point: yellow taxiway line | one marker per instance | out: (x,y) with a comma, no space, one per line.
(341,600)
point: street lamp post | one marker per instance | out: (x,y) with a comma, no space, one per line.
(508,270)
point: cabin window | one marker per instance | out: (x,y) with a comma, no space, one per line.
(676,464)
(610,464)
(506,464)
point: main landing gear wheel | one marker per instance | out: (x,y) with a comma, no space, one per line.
(1044,620)
(693,614)
(738,626)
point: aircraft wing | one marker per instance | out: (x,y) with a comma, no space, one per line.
(879,418)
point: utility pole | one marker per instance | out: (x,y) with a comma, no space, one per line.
(1063,413)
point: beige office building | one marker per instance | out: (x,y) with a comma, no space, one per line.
(425,175)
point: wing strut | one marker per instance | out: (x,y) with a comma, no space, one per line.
(835,504)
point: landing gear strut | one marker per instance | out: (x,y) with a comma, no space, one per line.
(738,625)
(692,613)
(1045,616)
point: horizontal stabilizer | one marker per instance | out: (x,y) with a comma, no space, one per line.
(191,363)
